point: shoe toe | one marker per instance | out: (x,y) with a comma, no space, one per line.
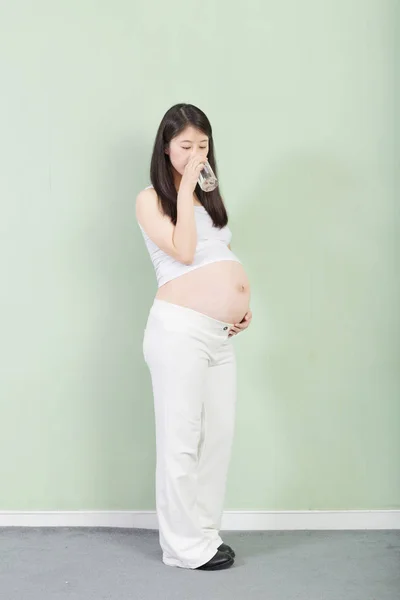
(220,560)
(227,549)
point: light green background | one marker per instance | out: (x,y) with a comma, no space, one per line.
(300,96)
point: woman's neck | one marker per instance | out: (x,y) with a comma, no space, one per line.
(177,179)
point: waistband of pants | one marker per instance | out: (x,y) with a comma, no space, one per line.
(164,309)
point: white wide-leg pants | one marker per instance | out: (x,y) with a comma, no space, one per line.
(193,372)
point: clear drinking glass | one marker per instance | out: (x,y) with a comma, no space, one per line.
(207,179)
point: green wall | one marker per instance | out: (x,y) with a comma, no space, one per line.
(300,96)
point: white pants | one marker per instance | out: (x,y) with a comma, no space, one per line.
(193,372)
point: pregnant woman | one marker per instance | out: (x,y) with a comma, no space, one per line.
(202,301)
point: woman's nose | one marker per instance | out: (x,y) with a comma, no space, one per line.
(198,151)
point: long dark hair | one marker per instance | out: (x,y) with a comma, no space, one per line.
(175,120)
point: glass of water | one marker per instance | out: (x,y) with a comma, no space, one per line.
(207,179)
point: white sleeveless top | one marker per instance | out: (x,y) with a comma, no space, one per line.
(212,246)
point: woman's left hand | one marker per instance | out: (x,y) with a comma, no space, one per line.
(244,323)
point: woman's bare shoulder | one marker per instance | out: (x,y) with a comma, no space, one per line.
(147,205)
(146,197)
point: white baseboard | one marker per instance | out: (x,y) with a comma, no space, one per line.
(232,520)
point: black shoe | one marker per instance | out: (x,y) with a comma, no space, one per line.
(220,560)
(227,549)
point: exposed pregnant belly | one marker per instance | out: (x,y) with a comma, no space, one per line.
(220,290)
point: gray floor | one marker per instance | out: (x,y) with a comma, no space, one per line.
(120,564)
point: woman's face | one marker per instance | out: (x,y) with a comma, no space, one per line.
(189,142)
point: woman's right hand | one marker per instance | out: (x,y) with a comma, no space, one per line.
(192,171)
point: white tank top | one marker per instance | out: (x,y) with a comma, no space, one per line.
(212,246)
